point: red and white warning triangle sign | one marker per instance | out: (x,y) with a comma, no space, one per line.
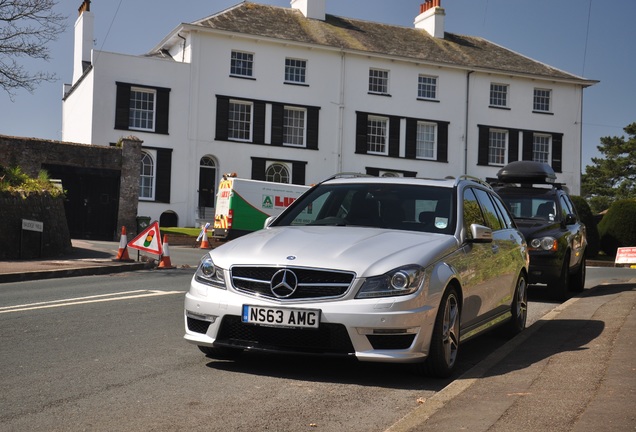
(149,240)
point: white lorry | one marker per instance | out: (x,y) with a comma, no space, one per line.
(243,205)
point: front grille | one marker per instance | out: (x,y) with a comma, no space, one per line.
(198,326)
(327,339)
(312,283)
(388,342)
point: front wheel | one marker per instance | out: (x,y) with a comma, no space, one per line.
(561,287)
(578,278)
(442,356)
(518,309)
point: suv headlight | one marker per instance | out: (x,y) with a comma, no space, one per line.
(398,282)
(544,243)
(209,274)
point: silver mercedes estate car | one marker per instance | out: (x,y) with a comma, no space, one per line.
(381,269)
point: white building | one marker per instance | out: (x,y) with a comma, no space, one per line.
(296,95)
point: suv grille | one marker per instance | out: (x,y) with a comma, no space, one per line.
(312,283)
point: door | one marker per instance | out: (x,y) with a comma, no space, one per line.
(207,187)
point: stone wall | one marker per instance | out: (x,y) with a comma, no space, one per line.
(17,243)
(32,153)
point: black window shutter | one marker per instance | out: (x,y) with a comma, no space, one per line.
(164,175)
(528,143)
(373,172)
(411,139)
(513,145)
(313,121)
(163,109)
(557,152)
(361,132)
(258,169)
(222,115)
(394,137)
(278,120)
(122,106)
(484,138)
(442,142)
(298,173)
(259,123)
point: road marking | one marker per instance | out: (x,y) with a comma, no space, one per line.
(86,300)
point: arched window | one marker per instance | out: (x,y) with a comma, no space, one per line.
(278,173)
(147,177)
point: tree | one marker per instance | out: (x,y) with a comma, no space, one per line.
(26,27)
(613,177)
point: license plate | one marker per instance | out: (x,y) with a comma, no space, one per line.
(281,317)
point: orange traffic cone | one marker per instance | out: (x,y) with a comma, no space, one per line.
(205,244)
(165,258)
(122,253)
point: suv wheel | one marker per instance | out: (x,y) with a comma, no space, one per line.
(561,286)
(578,278)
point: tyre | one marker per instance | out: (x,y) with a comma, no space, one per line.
(220,353)
(578,278)
(561,287)
(518,309)
(442,355)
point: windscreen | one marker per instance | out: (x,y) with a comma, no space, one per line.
(392,206)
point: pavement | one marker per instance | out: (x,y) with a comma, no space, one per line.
(573,370)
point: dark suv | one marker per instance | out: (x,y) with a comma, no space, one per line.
(546,216)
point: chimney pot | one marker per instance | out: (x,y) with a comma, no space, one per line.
(84,7)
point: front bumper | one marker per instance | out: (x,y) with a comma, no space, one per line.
(544,269)
(396,329)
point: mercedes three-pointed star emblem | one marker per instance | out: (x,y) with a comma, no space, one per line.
(284,283)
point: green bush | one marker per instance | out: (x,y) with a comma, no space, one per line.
(618,226)
(586,216)
(14,180)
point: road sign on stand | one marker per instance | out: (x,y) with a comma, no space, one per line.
(149,240)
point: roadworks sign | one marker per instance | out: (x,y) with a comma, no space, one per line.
(149,240)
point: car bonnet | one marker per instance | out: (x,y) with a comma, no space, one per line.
(365,251)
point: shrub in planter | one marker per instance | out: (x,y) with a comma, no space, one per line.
(586,216)
(618,226)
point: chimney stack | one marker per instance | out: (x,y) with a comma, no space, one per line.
(431,18)
(315,9)
(84,27)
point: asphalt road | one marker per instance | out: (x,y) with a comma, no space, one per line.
(106,353)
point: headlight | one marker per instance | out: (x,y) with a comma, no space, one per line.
(210,274)
(401,281)
(544,243)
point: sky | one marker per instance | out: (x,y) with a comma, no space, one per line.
(594,39)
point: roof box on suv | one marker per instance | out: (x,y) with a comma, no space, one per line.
(527,172)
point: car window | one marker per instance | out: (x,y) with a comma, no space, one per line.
(504,214)
(490,212)
(528,207)
(566,208)
(472,211)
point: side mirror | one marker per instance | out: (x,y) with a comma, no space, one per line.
(570,219)
(480,234)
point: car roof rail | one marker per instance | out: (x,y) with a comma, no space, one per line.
(474,179)
(346,175)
